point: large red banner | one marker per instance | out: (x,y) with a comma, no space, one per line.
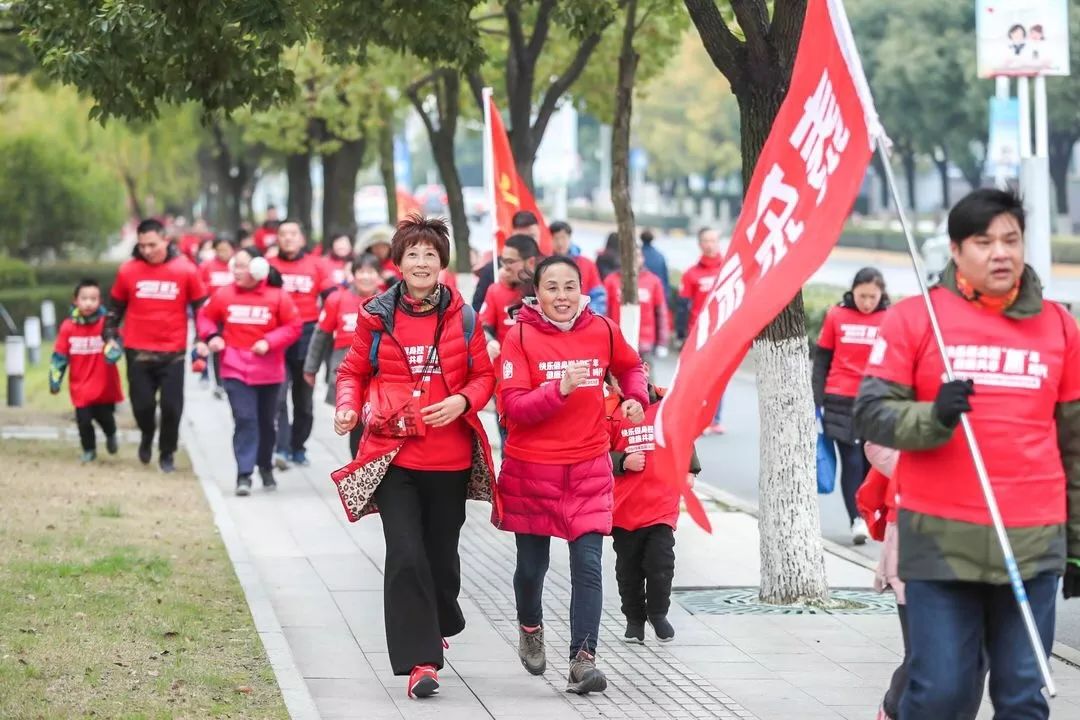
(803,186)
(511,192)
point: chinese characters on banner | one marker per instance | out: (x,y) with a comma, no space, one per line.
(803,186)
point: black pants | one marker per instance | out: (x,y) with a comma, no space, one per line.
(644,569)
(145,379)
(354,439)
(292,436)
(104,415)
(422,514)
(853,470)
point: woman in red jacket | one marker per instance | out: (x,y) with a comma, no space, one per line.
(420,375)
(843,348)
(556,478)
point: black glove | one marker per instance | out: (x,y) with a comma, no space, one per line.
(952,400)
(1070,585)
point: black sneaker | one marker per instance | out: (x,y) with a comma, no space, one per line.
(531,650)
(267,476)
(111,444)
(146,448)
(584,676)
(243,485)
(166,463)
(635,632)
(663,629)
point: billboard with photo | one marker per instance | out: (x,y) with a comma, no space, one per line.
(1022,37)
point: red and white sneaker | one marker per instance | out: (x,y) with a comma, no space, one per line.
(881,714)
(717,429)
(423,681)
(445,644)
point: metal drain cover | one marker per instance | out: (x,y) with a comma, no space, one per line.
(746,601)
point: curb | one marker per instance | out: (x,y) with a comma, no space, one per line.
(1062,652)
(294,689)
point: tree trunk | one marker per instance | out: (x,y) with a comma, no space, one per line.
(630,310)
(386,163)
(908,158)
(298,171)
(134,205)
(339,188)
(792,554)
(943,173)
(443,150)
(879,169)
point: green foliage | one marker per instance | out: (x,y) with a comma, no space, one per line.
(70,273)
(16,273)
(53,199)
(817,299)
(25,302)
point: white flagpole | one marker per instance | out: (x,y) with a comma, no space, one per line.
(1019,592)
(489,184)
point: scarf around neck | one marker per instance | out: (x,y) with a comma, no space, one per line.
(993,304)
(420,307)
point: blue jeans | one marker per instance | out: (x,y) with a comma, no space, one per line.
(586,586)
(253,410)
(948,625)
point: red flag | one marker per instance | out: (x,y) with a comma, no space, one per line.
(804,184)
(511,194)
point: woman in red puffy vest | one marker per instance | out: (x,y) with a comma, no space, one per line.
(419,384)
(556,478)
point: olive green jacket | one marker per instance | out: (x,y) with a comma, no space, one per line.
(933,548)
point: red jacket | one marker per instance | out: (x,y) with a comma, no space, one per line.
(91,380)
(244,316)
(305,277)
(156,300)
(646,497)
(697,281)
(1022,369)
(654,310)
(475,382)
(556,474)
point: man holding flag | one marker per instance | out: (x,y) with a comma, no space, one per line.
(1016,357)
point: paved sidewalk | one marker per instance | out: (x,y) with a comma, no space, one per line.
(314,583)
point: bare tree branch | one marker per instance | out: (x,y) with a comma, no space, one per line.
(476,85)
(493,32)
(786,29)
(753,17)
(413,93)
(723,47)
(563,82)
(516,55)
(540,30)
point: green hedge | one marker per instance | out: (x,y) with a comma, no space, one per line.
(888,240)
(16,274)
(22,303)
(71,273)
(642,220)
(817,299)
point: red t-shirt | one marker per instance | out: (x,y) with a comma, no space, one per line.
(697,281)
(647,497)
(246,316)
(305,278)
(91,380)
(157,299)
(654,314)
(336,269)
(264,238)
(590,276)
(1022,369)
(495,312)
(338,316)
(579,429)
(215,275)
(447,448)
(850,334)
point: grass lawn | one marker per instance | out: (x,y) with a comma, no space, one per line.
(36,385)
(117,599)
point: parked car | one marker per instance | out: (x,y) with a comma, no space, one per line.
(432,199)
(476,202)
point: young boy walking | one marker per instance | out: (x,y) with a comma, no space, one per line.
(645,515)
(94,381)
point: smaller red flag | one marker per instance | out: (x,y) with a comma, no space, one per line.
(511,192)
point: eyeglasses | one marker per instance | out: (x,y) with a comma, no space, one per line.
(509,261)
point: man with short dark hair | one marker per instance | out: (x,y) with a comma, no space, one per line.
(151,296)
(697,282)
(307,280)
(1016,358)
(524,223)
(591,284)
(655,261)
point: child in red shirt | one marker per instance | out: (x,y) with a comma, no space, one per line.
(94,381)
(644,519)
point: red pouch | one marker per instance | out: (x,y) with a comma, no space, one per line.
(395,410)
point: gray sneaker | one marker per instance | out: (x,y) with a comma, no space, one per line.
(531,650)
(584,677)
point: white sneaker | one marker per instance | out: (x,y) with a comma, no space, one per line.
(859,532)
